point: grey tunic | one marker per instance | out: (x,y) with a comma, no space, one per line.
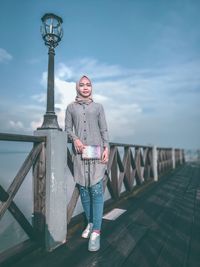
(87,122)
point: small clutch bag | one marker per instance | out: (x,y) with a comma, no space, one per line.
(91,152)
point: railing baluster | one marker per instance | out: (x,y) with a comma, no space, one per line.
(128,179)
(114,176)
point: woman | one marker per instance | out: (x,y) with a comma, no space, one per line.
(87,119)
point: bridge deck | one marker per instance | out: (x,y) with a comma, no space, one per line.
(160,228)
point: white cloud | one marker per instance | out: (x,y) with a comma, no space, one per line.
(115,111)
(64,72)
(65,93)
(100,98)
(35,124)
(41,98)
(4,55)
(91,67)
(142,106)
(98,70)
(17,125)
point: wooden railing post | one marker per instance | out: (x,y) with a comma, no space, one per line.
(173,159)
(114,176)
(155,163)
(39,175)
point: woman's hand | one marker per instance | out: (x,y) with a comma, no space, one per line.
(78,146)
(105,155)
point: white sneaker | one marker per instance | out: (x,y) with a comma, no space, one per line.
(94,242)
(88,230)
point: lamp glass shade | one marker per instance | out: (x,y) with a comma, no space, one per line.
(51,29)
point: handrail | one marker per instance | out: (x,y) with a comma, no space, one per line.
(128,145)
(21,138)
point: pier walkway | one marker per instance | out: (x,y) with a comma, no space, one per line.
(161,227)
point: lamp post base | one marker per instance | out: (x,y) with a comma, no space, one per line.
(50,122)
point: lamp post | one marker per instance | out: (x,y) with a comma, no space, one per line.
(49,177)
(51,33)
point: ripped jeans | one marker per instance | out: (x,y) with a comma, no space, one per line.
(92,201)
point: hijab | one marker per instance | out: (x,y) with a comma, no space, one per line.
(79,98)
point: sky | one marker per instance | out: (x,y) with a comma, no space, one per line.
(143,57)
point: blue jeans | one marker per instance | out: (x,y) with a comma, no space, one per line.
(92,201)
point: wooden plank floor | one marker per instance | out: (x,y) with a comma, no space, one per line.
(160,228)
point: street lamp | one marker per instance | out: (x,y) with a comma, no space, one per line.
(51,33)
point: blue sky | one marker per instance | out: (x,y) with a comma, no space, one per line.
(143,57)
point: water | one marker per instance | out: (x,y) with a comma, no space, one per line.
(12,156)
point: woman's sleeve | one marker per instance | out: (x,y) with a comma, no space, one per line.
(103,127)
(69,125)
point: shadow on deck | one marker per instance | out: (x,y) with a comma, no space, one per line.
(160,228)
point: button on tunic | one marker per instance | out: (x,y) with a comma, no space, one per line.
(87,123)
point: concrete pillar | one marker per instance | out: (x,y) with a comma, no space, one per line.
(155,163)
(56,187)
(173,159)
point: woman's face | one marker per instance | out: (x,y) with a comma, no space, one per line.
(85,87)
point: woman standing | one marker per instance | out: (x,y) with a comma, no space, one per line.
(86,126)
